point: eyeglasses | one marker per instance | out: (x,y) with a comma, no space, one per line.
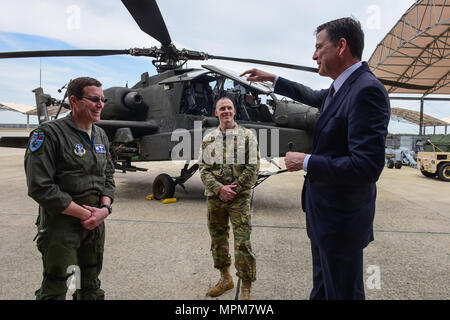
(96,99)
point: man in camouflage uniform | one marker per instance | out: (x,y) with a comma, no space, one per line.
(229,165)
(70,175)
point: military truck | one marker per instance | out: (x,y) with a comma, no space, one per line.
(434,160)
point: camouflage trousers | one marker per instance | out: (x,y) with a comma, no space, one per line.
(69,249)
(238,212)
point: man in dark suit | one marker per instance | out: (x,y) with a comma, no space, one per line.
(339,191)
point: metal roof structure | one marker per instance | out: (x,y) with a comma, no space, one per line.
(52,110)
(414,117)
(30,110)
(11,106)
(417,49)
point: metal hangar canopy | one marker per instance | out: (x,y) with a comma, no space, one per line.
(417,50)
(30,110)
(414,117)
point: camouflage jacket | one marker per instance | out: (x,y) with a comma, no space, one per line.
(62,164)
(231,158)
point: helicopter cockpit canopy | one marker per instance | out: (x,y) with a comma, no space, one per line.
(202,88)
(187,76)
(259,87)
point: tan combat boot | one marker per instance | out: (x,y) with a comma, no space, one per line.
(225,283)
(246,290)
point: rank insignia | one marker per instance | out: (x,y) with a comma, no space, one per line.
(99,148)
(36,141)
(79,150)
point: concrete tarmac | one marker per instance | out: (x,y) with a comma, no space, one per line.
(161,251)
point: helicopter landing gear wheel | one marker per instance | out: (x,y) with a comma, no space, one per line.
(163,187)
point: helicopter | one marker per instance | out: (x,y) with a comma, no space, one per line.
(143,122)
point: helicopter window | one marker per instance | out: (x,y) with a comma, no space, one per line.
(255,110)
(264,113)
(197,99)
(249,99)
(199,87)
(247,102)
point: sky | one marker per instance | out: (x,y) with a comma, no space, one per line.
(280,31)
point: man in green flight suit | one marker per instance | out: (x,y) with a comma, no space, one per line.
(69,174)
(229,166)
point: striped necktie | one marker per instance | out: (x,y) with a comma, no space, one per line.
(328,99)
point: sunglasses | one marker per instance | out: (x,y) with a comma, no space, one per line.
(95,99)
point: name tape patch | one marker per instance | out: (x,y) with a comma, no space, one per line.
(99,148)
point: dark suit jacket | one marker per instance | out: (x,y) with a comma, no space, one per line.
(348,156)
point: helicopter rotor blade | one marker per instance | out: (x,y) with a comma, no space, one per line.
(309,69)
(61,53)
(264,62)
(147,15)
(190,55)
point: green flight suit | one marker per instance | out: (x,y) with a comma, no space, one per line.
(226,159)
(62,164)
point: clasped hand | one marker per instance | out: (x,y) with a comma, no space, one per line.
(97,217)
(227,193)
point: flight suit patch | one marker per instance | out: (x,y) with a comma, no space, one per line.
(79,150)
(37,141)
(99,148)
